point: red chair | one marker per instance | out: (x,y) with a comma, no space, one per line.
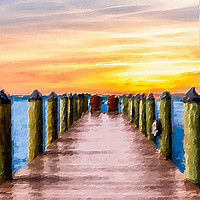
(113,103)
(95,103)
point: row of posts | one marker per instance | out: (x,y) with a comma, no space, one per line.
(71,109)
(141,111)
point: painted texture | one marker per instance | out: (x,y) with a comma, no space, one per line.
(35,114)
(192,141)
(68,113)
(51,121)
(75,117)
(5,141)
(165,138)
(150,117)
(136,108)
(130,105)
(63,114)
(125,105)
(142,115)
(71,110)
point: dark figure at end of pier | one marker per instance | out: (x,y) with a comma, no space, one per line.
(95,103)
(113,102)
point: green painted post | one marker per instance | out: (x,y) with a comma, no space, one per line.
(125,104)
(192,136)
(63,113)
(166,134)
(86,102)
(5,137)
(83,96)
(129,108)
(136,109)
(35,114)
(71,100)
(74,107)
(150,115)
(142,113)
(68,112)
(80,104)
(52,131)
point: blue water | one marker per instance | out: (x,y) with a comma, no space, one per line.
(157,113)
(177,131)
(20,129)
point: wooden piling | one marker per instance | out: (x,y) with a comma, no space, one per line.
(63,113)
(192,136)
(136,109)
(68,112)
(71,108)
(86,102)
(129,108)
(52,134)
(5,137)
(166,134)
(142,113)
(35,114)
(125,104)
(80,104)
(150,116)
(74,107)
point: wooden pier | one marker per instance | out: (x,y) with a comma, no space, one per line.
(101,156)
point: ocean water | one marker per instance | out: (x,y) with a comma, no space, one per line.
(177,131)
(20,129)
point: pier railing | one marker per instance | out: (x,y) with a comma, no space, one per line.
(153,117)
(72,108)
(141,110)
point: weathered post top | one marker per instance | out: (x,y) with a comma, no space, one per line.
(74,95)
(52,96)
(150,96)
(130,95)
(35,95)
(137,96)
(165,95)
(79,95)
(191,95)
(142,96)
(63,96)
(5,137)
(4,98)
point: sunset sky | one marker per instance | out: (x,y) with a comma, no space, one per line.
(99,46)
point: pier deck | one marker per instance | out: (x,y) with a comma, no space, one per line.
(102,156)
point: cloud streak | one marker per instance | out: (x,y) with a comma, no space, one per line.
(118,45)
